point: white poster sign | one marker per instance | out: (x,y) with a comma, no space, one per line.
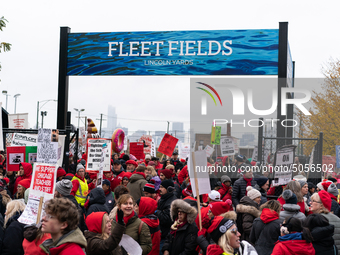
(94,154)
(202,172)
(147,141)
(227,146)
(284,158)
(208,150)
(24,139)
(183,150)
(61,147)
(18,120)
(47,151)
(153,148)
(236,144)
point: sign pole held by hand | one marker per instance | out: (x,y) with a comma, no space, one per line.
(40,209)
(197,191)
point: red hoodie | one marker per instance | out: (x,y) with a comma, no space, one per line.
(225,189)
(214,249)
(147,208)
(94,222)
(27,175)
(183,174)
(268,215)
(297,247)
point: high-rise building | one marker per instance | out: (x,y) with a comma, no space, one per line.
(111,118)
(177,126)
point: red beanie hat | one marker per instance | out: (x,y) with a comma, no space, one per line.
(69,174)
(326,184)
(6,179)
(325,199)
(183,160)
(94,222)
(187,191)
(217,208)
(60,172)
(26,183)
(167,173)
(131,162)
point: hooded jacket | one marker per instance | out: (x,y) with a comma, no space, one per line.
(71,243)
(291,210)
(136,185)
(239,190)
(215,249)
(224,192)
(334,220)
(97,245)
(13,236)
(147,208)
(163,213)
(247,211)
(183,174)
(27,175)
(323,241)
(183,240)
(97,201)
(265,231)
(293,244)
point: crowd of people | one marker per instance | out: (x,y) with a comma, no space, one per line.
(148,207)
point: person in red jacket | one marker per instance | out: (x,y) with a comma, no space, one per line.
(183,174)
(61,221)
(226,189)
(25,172)
(294,239)
(145,208)
(296,188)
(108,175)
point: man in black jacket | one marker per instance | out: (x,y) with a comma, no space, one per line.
(163,209)
(240,186)
(176,162)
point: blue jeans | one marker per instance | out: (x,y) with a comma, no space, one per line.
(161,246)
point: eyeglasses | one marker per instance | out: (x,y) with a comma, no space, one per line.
(234,231)
(313,201)
(180,212)
(48,216)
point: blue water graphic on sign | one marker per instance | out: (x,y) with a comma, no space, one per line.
(213,52)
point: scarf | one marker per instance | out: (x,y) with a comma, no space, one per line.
(248,182)
(127,218)
(176,226)
(142,174)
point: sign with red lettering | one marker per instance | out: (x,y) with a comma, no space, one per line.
(168,145)
(136,149)
(15,155)
(147,143)
(44,178)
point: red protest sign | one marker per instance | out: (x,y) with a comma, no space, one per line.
(44,177)
(168,145)
(136,149)
(146,140)
(15,155)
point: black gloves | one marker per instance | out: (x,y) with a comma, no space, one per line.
(120,216)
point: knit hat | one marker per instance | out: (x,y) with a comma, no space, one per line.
(106,182)
(187,191)
(325,185)
(25,183)
(332,189)
(219,226)
(183,160)
(252,193)
(239,158)
(325,199)
(289,197)
(151,163)
(68,177)
(302,183)
(131,162)
(319,185)
(167,173)
(64,187)
(215,195)
(60,172)
(261,181)
(80,166)
(94,222)
(149,187)
(167,183)
(6,179)
(225,178)
(148,156)
(218,208)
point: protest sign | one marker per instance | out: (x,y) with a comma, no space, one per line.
(47,151)
(94,154)
(1,134)
(208,150)
(183,150)
(41,190)
(168,145)
(236,147)
(146,140)
(18,120)
(15,155)
(136,149)
(61,147)
(24,139)
(105,151)
(265,154)
(153,148)
(31,154)
(215,135)
(283,160)
(227,146)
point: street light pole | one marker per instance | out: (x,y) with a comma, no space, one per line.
(38,108)
(42,118)
(4,92)
(15,105)
(81,110)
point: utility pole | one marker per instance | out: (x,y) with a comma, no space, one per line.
(167,131)
(100,126)
(42,118)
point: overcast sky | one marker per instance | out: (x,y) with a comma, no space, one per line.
(31,67)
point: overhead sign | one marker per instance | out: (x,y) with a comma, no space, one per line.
(227,146)
(214,52)
(94,154)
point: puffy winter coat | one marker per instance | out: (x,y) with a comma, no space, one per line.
(132,227)
(301,204)
(13,237)
(335,208)
(97,202)
(247,211)
(109,200)
(183,240)
(239,190)
(334,220)
(163,213)
(323,241)
(71,243)
(265,231)
(136,185)
(293,246)
(291,210)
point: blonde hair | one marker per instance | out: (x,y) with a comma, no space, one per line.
(153,171)
(104,221)
(12,208)
(295,187)
(323,209)
(170,167)
(223,242)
